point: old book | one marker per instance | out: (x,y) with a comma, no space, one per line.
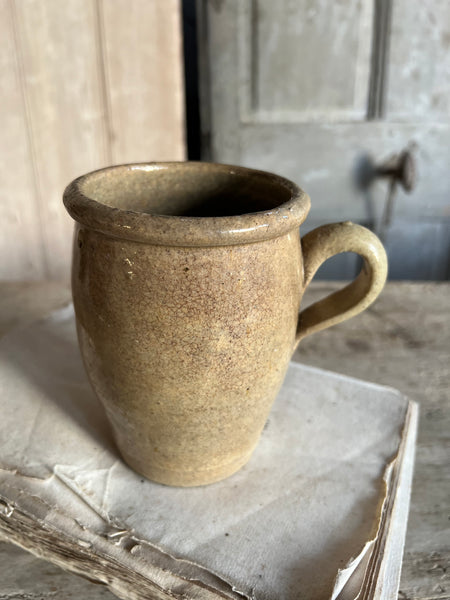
(318,513)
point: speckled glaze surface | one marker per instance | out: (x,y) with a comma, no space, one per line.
(187,280)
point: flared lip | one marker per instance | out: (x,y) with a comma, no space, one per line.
(172,230)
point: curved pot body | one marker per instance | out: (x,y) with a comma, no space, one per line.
(187,312)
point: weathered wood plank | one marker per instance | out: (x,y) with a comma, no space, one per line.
(64,108)
(142,50)
(419,66)
(20,242)
(322,159)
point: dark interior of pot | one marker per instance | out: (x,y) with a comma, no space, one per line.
(186,189)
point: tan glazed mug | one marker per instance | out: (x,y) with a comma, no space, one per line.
(187,280)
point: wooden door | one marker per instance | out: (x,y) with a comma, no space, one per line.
(316,89)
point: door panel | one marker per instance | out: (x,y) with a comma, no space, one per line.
(286,39)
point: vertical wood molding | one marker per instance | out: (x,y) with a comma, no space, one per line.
(254,62)
(204,78)
(103,80)
(376,108)
(142,49)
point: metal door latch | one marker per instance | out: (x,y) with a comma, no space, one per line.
(400,168)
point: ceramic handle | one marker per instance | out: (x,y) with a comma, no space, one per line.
(323,243)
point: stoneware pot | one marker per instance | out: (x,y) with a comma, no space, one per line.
(187,280)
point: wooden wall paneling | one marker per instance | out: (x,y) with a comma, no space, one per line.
(419,65)
(20,241)
(85,83)
(142,50)
(65,109)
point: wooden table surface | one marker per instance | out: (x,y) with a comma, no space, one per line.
(403,340)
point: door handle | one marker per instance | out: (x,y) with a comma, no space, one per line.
(400,168)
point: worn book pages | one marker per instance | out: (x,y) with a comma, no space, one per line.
(318,513)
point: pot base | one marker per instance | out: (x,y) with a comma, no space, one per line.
(187,478)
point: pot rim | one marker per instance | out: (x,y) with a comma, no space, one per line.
(171,230)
